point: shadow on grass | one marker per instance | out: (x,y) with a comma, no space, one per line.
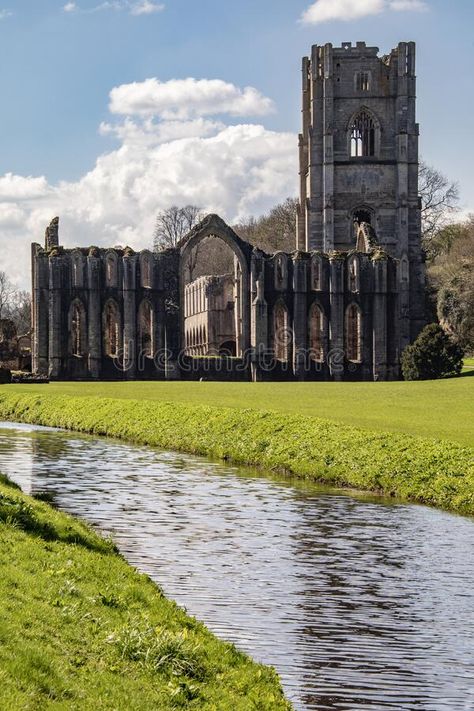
(50,526)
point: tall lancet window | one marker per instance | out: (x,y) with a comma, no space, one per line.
(316,333)
(363,132)
(145,327)
(353,334)
(77,329)
(281,332)
(111,329)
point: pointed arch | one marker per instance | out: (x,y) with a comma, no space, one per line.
(111,329)
(281,332)
(146,269)
(111,269)
(77,324)
(316,325)
(353,333)
(146,316)
(77,269)
(316,272)
(363,134)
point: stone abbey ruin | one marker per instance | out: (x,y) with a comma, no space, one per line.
(342,305)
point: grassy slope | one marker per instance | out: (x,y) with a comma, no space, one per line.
(442,409)
(436,472)
(80,629)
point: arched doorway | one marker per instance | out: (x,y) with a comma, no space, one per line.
(214,286)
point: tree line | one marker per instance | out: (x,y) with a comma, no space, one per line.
(15,308)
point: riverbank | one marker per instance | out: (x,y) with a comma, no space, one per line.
(424,470)
(439,409)
(80,628)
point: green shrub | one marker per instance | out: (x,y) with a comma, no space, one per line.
(433,355)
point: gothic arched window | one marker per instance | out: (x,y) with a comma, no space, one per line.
(77,329)
(146,268)
(316,273)
(316,333)
(353,333)
(77,270)
(281,332)
(111,269)
(362,135)
(145,328)
(353,277)
(111,329)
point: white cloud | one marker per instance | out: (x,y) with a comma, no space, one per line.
(148,131)
(346,10)
(234,170)
(408,5)
(325,10)
(133,7)
(185,98)
(5,13)
(146,7)
(17,187)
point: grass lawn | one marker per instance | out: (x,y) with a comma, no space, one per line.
(468,365)
(442,409)
(81,629)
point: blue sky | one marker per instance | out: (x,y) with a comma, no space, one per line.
(58,68)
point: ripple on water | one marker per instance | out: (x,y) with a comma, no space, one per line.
(358,603)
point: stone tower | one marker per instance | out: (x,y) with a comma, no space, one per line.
(359,162)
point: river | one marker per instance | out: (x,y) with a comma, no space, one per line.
(359,602)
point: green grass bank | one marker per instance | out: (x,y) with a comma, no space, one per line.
(81,629)
(426,470)
(443,409)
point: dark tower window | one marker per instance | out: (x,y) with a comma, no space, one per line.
(361,216)
(362,81)
(362,136)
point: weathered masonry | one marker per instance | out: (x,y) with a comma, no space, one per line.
(343,305)
(359,161)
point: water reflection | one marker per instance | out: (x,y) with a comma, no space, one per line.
(359,603)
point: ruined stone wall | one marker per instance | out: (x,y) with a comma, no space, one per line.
(82,296)
(339,85)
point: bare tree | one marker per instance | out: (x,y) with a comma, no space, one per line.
(19,311)
(6,293)
(439,200)
(173,223)
(274,231)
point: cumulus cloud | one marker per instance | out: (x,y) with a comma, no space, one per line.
(70,7)
(17,187)
(325,10)
(234,170)
(185,98)
(346,10)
